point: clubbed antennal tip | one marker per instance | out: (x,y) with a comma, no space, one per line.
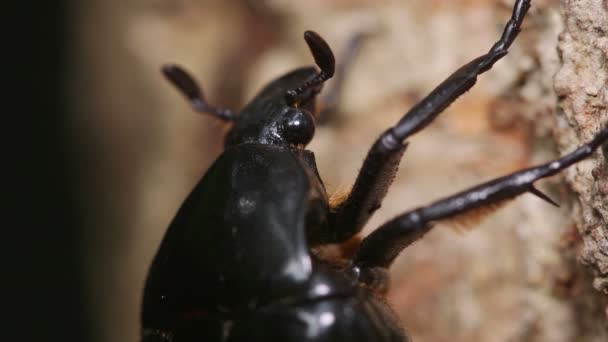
(325,60)
(182,80)
(321,52)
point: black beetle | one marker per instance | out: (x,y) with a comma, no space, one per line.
(240,261)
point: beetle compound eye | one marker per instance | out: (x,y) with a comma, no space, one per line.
(298,126)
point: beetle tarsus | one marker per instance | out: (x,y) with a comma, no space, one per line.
(512,28)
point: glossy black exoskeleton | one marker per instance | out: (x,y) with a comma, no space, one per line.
(240,261)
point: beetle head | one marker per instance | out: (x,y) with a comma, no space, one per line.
(270,119)
(282,113)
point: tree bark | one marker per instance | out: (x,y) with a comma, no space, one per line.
(582,87)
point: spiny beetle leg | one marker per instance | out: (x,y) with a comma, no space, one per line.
(325,60)
(381,163)
(182,80)
(381,247)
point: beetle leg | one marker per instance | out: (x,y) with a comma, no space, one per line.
(382,161)
(381,247)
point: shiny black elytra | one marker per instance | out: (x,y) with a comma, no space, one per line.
(239,262)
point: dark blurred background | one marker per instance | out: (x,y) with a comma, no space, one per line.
(110,150)
(44,274)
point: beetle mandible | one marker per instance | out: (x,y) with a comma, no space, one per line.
(238,262)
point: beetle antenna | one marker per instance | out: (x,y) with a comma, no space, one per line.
(324,58)
(182,80)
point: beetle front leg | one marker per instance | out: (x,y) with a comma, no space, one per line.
(381,247)
(382,161)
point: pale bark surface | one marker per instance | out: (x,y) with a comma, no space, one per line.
(582,86)
(526,273)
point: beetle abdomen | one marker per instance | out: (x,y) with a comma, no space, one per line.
(359,318)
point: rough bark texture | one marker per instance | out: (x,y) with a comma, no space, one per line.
(582,87)
(517,277)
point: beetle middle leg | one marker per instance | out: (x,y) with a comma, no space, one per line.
(381,247)
(381,163)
